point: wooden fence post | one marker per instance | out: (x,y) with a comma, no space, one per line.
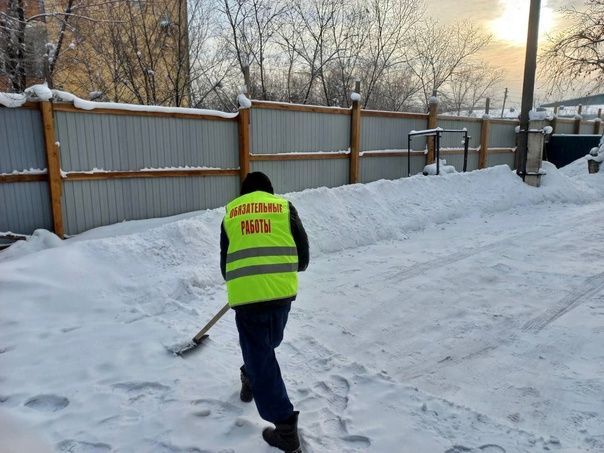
(432,121)
(244,142)
(578,119)
(54,167)
(598,123)
(485,126)
(355,135)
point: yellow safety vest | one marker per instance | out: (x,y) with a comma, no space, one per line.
(262,259)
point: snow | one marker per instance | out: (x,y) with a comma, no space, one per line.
(91,105)
(433,100)
(322,107)
(535,115)
(450,314)
(244,102)
(548,130)
(30,171)
(443,168)
(39,92)
(427,131)
(184,168)
(355,97)
(12,100)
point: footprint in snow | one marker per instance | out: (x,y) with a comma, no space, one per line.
(219,408)
(76,446)
(4,349)
(141,386)
(360,441)
(488,448)
(47,403)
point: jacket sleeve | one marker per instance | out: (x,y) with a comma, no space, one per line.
(300,238)
(224,247)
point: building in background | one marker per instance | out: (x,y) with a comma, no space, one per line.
(591,106)
(22,43)
(127,51)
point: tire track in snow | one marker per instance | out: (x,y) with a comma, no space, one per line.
(442,261)
(508,330)
(590,287)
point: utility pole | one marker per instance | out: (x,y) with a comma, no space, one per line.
(505,97)
(528,85)
(487,107)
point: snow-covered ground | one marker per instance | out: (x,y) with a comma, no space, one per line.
(460,313)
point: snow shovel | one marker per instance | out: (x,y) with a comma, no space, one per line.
(184,349)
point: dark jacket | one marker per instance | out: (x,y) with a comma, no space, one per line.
(301,240)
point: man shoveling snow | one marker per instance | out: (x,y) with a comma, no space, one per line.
(262,247)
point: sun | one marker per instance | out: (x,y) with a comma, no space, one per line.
(511,25)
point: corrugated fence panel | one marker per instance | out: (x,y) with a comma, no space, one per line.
(279,131)
(501,159)
(24,207)
(120,143)
(89,204)
(390,133)
(457,160)
(502,135)
(454,140)
(375,168)
(296,175)
(565,127)
(587,127)
(22,142)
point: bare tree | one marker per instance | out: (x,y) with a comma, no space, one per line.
(469,86)
(32,44)
(395,90)
(390,24)
(438,51)
(252,26)
(155,52)
(576,55)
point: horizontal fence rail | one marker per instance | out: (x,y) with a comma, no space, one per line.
(68,170)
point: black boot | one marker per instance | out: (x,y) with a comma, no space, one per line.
(246,394)
(285,435)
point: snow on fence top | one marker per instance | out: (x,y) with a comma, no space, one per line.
(43,93)
(91,105)
(12,100)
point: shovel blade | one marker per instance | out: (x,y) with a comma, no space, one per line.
(187,348)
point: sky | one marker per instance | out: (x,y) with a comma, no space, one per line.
(507,22)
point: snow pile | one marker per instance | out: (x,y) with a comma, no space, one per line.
(244,102)
(372,358)
(355,97)
(39,92)
(39,240)
(443,168)
(12,100)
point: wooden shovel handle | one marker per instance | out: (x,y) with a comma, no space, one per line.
(213,321)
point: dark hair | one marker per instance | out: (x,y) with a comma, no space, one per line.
(256,181)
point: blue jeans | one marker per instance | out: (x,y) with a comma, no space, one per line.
(260,332)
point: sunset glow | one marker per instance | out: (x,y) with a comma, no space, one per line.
(511,25)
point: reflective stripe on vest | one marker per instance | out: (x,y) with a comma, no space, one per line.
(262,259)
